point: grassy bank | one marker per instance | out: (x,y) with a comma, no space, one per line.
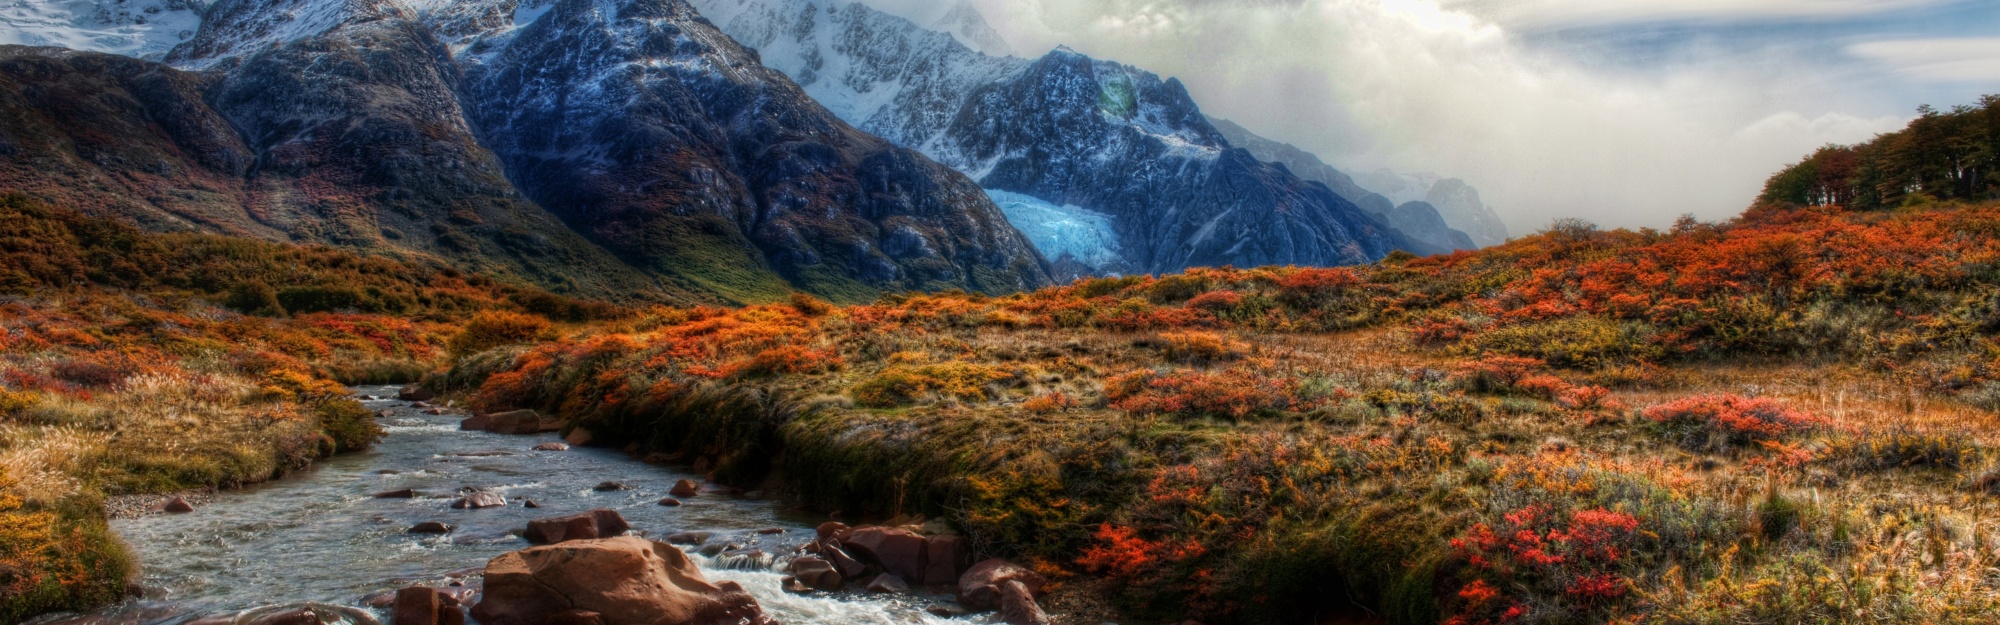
(148,363)
(1783,419)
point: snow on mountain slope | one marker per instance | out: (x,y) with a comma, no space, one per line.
(139,28)
(235,29)
(1061,232)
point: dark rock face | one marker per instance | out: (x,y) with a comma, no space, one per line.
(623,150)
(1421,221)
(667,142)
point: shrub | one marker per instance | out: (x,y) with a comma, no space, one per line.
(1722,421)
(1233,394)
(255,298)
(1565,562)
(1579,342)
(1200,347)
(902,385)
(351,426)
(491,329)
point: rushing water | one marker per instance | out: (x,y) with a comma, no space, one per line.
(321,537)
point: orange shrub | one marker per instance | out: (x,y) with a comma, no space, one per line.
(491,329)
(1720,421)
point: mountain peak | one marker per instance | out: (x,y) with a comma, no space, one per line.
(965,23)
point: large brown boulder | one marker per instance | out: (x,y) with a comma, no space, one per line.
(419,605)
(579,437)
(615,581)
(516,422)
(1018,607)
(979,588)
(944,558)
(685,488)
(415,392)
(816,572)
(584,526)
(898,551)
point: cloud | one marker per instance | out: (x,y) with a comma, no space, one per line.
(1937,60)
(1559,13)
(1416,85)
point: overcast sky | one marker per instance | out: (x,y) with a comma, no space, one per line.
(1624,112)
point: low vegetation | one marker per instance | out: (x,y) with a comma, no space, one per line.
(131,363)
(1776,420)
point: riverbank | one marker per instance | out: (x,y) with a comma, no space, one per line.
(323,537)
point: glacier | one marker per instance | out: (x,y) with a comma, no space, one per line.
(1060,232)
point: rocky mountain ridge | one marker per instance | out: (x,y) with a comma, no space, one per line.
(625,150)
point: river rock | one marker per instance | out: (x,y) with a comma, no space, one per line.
(979,588)
(579,437)
(846,564)
(415,392)
(685,488)
(434,411)
(832,529)
(429,527)
(816,572)
(793,585)
(944,558)
(552,447)
(178,505)
(475,423)
(418,605)
(406,493)
(605,487)
(692,539)
(670,502)
(888,583)
(308,614)
(474,501)
(585,526)
(1018,607)
(515,422)
(625,581)
(897,551)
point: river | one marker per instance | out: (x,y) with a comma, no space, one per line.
(319,535)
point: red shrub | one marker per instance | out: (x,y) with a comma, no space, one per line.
(1230,394)
(1735,420)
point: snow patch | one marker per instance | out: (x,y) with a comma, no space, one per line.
(139,28)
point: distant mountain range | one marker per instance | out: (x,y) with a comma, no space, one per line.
(1104,165)
(637,150)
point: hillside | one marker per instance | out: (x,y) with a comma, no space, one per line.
(1785,418)
(133,362)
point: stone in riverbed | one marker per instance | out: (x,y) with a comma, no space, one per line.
(692,539)
(406,493)
(479,500)
(578,437)
(831,529)
(979,588)
(475,423)
(552,447)
(516,422)
(605,487)
(685,488)
(1018,607)
(846,564)
(417,605)
(530,503)
(429,527)
(624,581)
(670,502)
(178,505)
(415,392)
(793,585)
(888,583)
(585,526)
(816,572)
(897,551)
(944,558)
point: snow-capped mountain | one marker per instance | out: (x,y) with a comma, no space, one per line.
(1081,136)
(1389,194)
(619,148)
(139,28)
